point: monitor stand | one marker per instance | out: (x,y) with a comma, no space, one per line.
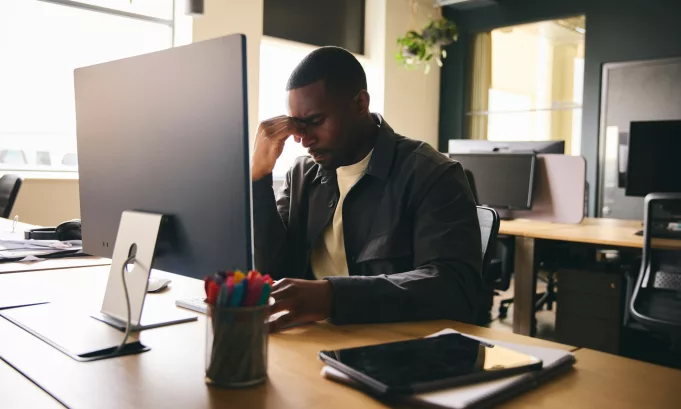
(137,236)
(80,337)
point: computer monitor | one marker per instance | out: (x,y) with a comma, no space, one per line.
(502,180)
(167,133)
(475,146)
(653,160)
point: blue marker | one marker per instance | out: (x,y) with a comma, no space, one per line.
(265,295)
(237,294)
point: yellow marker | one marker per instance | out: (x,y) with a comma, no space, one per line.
(238,276)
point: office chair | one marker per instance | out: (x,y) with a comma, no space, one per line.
(656,299)
(9,189)
(489,228)
(499,270)
(495,272)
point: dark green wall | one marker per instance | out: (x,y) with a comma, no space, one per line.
(616,30)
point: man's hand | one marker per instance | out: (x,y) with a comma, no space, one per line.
(305,301)
(269,143)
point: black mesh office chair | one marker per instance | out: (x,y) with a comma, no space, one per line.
(499,271)
(9,189)
(489,228)
(656,299)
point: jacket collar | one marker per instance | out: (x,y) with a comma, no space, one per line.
(382,158)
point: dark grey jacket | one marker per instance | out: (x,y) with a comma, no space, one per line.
(410,226)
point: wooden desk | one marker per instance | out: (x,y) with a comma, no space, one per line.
(602,232)
(605,232)
(601,380)
(18,392)
(172,373)
(6,227)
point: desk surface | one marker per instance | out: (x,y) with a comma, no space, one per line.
(610,232)
(53,264)
(601,380)
(171,374)
(19,393)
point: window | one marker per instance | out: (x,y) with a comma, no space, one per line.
(278,58)
(41,43)
(527,83)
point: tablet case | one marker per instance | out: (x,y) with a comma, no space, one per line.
(484,394)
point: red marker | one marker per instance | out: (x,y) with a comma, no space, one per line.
(213,291)
(206,283)
(254,290)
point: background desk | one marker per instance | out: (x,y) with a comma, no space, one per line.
(6,227)
(602,232)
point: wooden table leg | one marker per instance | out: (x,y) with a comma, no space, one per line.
(525,286)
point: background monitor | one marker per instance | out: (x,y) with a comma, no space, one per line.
(502,180)
(475,146)
(653,159)
(167,132)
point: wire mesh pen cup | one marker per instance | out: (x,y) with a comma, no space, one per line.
(236,346)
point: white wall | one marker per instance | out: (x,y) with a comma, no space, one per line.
(47,202)
(223,17)
(411,100)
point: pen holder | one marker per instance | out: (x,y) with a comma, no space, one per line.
(236,346)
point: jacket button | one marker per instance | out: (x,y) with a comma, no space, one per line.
(331,203)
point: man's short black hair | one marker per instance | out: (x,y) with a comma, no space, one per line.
(337,67)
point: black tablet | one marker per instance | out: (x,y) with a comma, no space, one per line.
(427,364)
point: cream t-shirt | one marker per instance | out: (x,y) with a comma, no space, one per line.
(328,256)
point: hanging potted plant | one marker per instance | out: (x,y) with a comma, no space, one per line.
(421,48)
(413,49)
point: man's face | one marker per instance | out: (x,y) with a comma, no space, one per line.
(327,123)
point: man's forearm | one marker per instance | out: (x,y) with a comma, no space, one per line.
(437,291)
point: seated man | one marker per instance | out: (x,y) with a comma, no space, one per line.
(372,226)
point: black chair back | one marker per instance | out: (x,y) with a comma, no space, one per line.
(489,229)
(655,302)
(9,189)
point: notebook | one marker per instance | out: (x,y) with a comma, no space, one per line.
(484,394)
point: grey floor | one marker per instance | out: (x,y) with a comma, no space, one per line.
(546,320)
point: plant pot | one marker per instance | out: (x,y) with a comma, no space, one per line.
(409,52)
